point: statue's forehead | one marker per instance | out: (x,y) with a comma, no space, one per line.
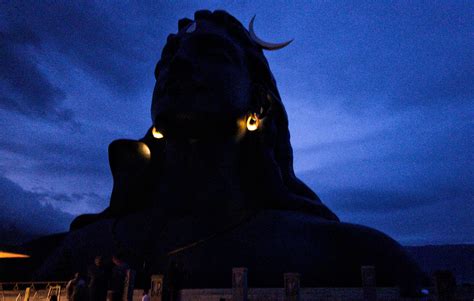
(211,34)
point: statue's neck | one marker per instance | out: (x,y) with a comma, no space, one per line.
(200,176)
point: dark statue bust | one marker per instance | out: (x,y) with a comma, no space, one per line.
(211,185)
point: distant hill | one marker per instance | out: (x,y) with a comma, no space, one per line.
(22,269)
(457,258)
(11,235)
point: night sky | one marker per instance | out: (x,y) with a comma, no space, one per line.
(379,97)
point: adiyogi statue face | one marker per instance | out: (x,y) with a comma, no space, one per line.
(202,78)
(208,78)
(217,107)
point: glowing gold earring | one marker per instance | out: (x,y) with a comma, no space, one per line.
(252,122)
(156,133)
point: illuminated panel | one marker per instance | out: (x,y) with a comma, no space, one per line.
(12,255)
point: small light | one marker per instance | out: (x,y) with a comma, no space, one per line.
(156,133)
(145,150)
(252,122)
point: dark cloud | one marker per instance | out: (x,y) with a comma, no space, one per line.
(27,212)
(420,209)
(380,201)
(60,157)
(89,36)
(443,222)
(24,88)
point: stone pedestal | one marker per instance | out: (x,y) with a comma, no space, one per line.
(369,286)
(292,286)
(156,288)
(239,284)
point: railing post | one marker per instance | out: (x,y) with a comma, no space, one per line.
(239,284)
(27,294)
(445,285)
(369,286)
(129,285)
(156,288)
(292,286)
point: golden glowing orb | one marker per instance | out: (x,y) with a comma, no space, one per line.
(252,122)
(156,134)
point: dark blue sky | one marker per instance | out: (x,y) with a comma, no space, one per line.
(379,96)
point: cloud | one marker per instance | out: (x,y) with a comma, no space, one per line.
(24,88)
(60,157)
(420,209)
(377,200)
(27,212)
(443,221)
(90,37)
(370,201)
(73,203)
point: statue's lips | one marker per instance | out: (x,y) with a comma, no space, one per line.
(197,125)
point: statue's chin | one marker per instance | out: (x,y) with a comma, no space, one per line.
(199,175)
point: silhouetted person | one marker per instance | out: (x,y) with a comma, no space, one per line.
(117,279)
(76,289)
(97,285)
(71,285)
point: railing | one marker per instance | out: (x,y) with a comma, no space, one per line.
(31,291)
(21,285)
(444,289)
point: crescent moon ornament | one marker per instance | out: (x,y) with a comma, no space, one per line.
(262,43)
(191,28)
